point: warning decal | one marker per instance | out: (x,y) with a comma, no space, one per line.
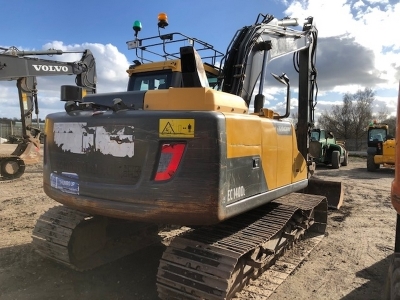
(177,128)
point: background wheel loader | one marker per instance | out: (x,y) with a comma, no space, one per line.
(381,146)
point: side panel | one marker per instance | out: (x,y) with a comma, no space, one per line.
(263,161)
(274,142)
(245,176)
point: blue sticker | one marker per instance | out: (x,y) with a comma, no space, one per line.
(65,182)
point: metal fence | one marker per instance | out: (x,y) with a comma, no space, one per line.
(356,145)
(8,129)
(13,128)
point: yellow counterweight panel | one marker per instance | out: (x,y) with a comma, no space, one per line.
(201,98)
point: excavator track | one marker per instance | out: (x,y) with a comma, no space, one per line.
(11,167)
(82,242)
(216,262)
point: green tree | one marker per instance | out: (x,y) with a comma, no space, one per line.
(349,121)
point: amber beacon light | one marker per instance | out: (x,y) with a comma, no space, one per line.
(162,20)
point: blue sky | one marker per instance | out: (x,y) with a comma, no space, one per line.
(357,45)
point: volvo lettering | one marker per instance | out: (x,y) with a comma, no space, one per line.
(46,68)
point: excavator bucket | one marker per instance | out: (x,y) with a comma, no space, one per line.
(332,190)
(28,152)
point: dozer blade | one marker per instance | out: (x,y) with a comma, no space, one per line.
(28,152)
(332,190)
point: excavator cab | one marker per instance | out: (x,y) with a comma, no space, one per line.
(163,75)
(158,65)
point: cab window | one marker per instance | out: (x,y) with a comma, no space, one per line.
(149,81)
(377,135)
(315,136)
(212,80)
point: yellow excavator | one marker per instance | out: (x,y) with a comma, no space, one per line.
(20,66)
(203,153)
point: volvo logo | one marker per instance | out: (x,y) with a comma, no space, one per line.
(283,128)
(47,68)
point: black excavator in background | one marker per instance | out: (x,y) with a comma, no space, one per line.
(17,65)
(193,155)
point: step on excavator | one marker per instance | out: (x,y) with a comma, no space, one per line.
(206,156)
(18,65)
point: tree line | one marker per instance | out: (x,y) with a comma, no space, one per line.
(13,120)
(350,120)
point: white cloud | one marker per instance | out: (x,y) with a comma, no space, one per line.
(357,48)
(365,23)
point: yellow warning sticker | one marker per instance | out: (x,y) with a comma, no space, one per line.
(176,128)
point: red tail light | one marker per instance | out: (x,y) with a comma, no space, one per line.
(171,155)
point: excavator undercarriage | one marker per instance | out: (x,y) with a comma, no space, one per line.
(208,262)
(215,262)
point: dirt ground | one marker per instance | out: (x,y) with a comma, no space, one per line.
(351,262)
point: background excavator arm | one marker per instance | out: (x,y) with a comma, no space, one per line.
(15,65)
